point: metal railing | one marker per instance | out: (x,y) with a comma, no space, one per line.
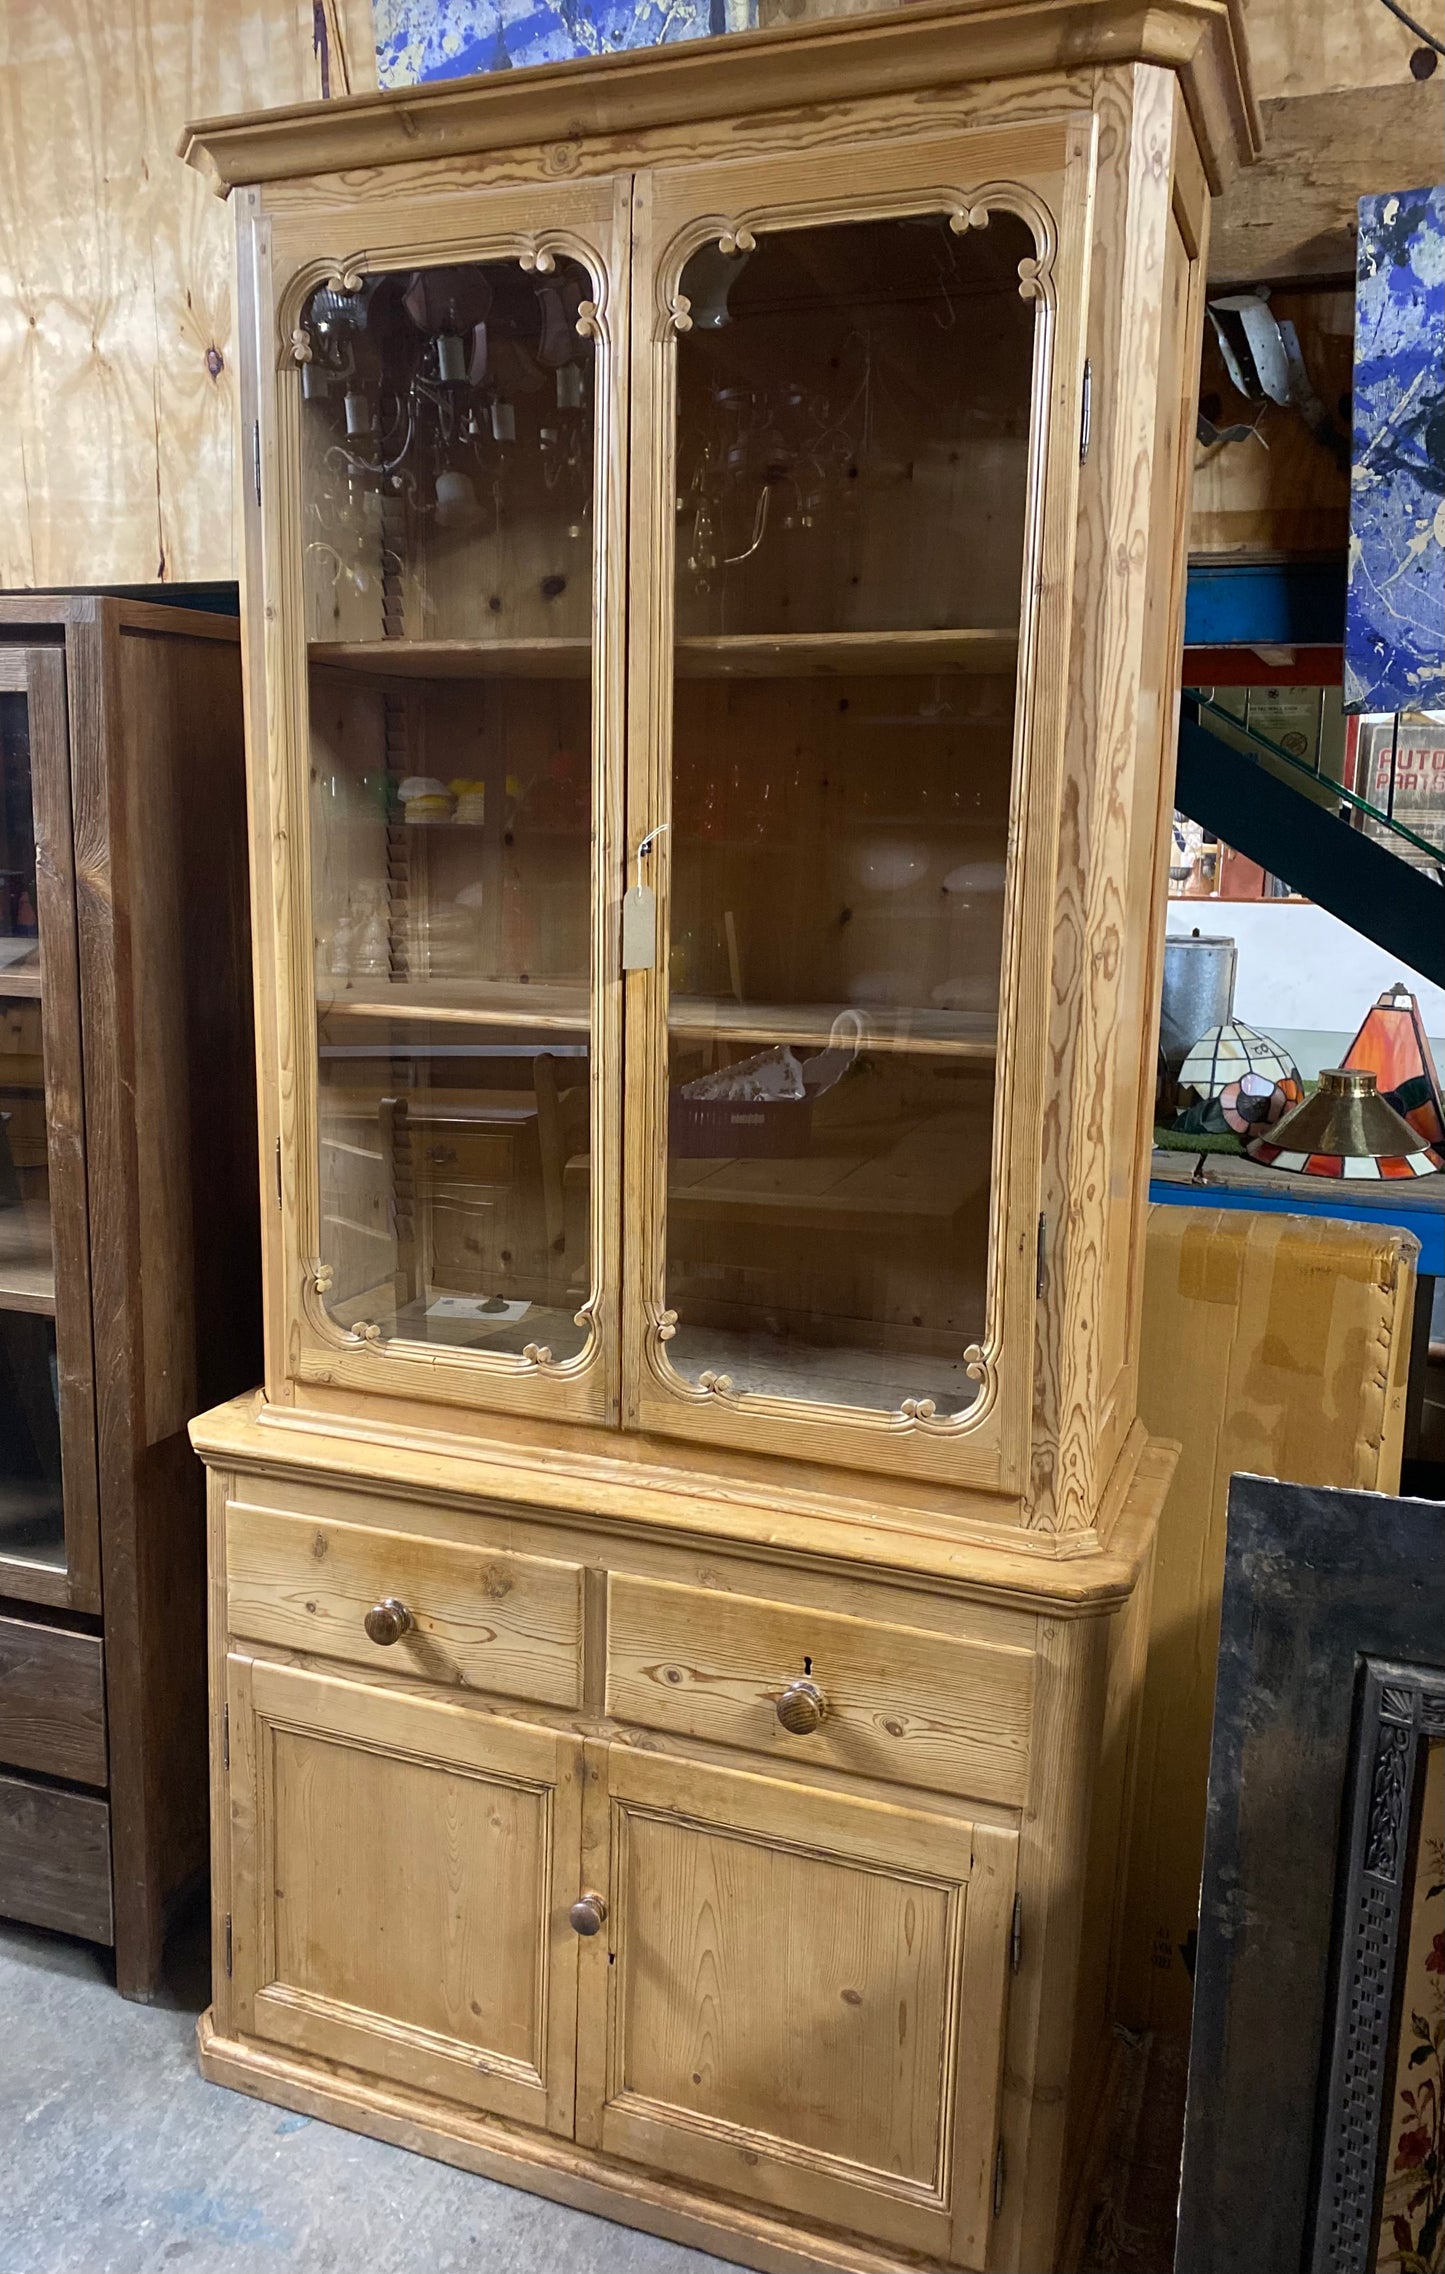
(1241,737)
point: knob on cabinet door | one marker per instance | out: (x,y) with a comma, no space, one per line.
(388,1620)
(588,1914)
(802,1708)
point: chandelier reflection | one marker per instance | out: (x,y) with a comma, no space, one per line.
(442,406)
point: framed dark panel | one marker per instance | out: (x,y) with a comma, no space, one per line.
(1300,1903)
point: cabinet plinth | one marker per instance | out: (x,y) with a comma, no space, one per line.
(709,831)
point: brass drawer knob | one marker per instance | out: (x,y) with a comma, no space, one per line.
(801,1708)
(388,1620)
(588,1914)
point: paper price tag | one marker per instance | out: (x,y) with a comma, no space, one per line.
(639,928)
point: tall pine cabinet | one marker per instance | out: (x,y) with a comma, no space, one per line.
(713,585)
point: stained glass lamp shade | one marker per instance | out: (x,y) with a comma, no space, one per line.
(1235,1080)
(1346,1130)
(1394,1047)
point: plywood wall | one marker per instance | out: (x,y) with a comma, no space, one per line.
(115,280)
(1326,49)
(116,388)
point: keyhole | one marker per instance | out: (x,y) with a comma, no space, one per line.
(807,1665)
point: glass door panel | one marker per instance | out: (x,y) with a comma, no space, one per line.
(853,435)
(47,1453)
(449,487)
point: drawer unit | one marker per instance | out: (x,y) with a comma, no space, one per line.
(400,1604)
(898,1703)
(55,1858)
(52,1701)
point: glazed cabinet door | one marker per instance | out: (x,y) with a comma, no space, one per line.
(49,1522)
(798,1997)
(855,447)
(401,1876)
(442,463)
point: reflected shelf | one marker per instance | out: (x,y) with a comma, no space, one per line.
(27,1268)
(462,1002)
(20,984)
(732,655)
(458,659)
(947,1034)
(804,655)
(780,1366)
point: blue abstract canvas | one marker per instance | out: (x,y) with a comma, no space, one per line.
(1395,618)
(418,40)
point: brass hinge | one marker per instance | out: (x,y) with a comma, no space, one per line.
(226,1737)
(1016,1936)
(998,2179)
(1041,1267)
(278,1172)
(1086,412)
(256,457)
(228,1942)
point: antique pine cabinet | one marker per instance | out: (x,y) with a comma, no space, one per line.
(713,585)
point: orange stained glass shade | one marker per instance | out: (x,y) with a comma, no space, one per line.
(1393,1046)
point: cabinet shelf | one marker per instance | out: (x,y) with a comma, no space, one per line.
(941,1034)
(460,1002)
(27,1269)
(21,983)
(458,659)
(732,655)
(836,655)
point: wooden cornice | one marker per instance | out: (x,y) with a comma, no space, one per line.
(925,44)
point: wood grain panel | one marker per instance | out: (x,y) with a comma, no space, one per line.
(909,1707)
(507,1624)
(788,1980)
(1345,46)
(115,282)
(52,1701)
(401,1878)
(156,780)
(733,2012)
(55,1859)
(1294,214)
(353,1833)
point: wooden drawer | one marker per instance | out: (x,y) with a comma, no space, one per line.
(55,1859)
(52,1701)
(507,1624)
(902,1704)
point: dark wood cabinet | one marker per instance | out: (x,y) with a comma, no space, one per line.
(128,1241)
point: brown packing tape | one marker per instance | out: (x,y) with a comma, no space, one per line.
(1210,1268)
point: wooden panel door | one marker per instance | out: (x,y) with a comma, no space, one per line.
(799,1997)
(49,1524)
(401,1872)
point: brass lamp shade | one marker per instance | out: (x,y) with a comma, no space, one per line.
(1346,1130)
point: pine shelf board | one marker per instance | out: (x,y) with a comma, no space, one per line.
(458,659)
(837,655)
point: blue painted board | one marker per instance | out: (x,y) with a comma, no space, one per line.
(1395,616)
(1265,604)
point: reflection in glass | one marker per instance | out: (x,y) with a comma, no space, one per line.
(19,920)
(853,434)
(448,475)
(447,455)
(32,1523)
(455,1182)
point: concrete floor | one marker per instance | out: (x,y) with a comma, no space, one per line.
(115,2158)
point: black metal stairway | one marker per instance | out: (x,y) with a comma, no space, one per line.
(1294,821)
